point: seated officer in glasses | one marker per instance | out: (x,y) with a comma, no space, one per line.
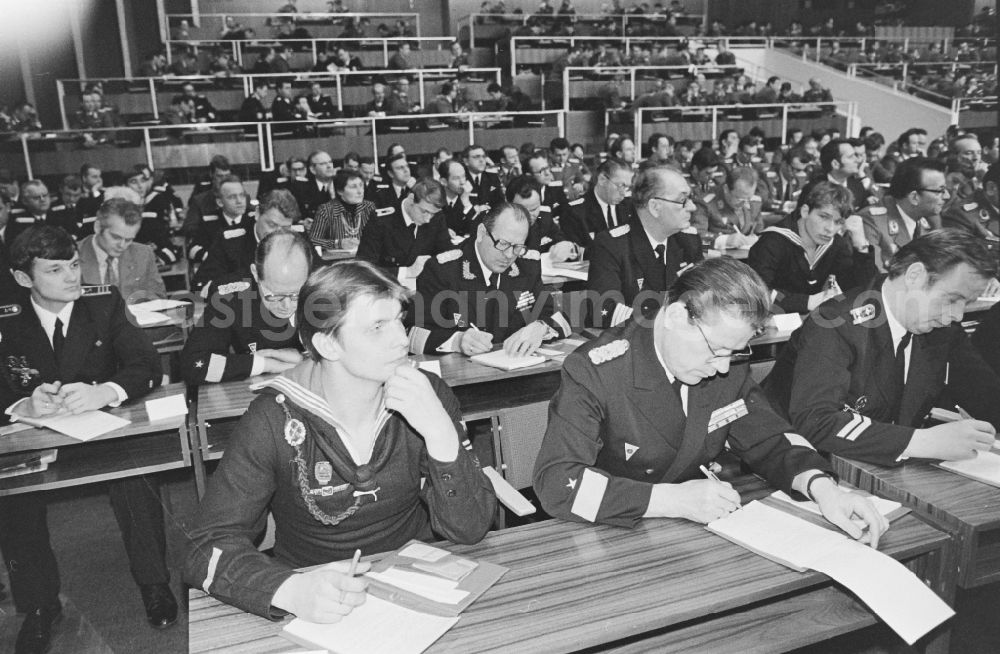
(488,291)
(247,328)
(643,406)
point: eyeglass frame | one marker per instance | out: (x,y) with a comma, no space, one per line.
(679,202)
(733,357)
(267,296)
(496,245)
(936,191)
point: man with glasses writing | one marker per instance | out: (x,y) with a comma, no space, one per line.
(643,408)
(632,265)
(912,207)
(489,291)
(246,329)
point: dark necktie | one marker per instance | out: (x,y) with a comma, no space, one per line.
(111,274)
(58,340)
(611,220)
(899,375)
(916,230)
(415,226)
(661,253)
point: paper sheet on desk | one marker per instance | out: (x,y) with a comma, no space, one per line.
(984,468)
(157,305)
(899,598)
(375,627)
(883,506)
(83,427)
(503,361)
(571,270)
(149,318)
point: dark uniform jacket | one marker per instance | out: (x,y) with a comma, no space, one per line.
(544,232)
(235,325)
(101,346)
(835,375)
(616,419)
(583,218)
(553,196)
(210,225)
(310,196)
(384,195)
(389,243)
(454,296)
(885,229)
(460,219)
(155,230)
(203,109)
(282,109)
(253,111)
(986,338)
(784,193)
(781,261)
(258,474)
(978,216)
(231,253)
(86,210)
(322,106)
(489,190)
(626,275)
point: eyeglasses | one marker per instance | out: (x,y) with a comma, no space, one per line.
(506,247)
(935,191)
(268,296)
(732,357)
(683,201)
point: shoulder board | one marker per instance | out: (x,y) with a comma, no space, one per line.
(620,230)
(557,182)
(755,198)
(385,211)
(381,186)
(25,219)
(574,160)
(89,219)
(533,255)
(149,214)
(708,197)
(253,203)
(233,287)
(89,291)
(58,207)
(234,233)
(210,217)
(493,170)
(281,180)
(449,255)
(608,351)
(575,202)
(9,310)
(878,211)
(555,169)
(298,227)
(970,206)
(771,174)
(152,195)
(160,189)
(863,313)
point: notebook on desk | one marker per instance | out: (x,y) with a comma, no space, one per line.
(503,361)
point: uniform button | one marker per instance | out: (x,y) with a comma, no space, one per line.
(450,492)
(446,476)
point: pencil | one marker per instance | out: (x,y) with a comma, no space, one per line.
(354,563)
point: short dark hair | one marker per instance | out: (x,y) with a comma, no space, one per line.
(828,194)
(429,190)
(71,182)
(343,176)
(611,166)
(705,158)
(87,167)
(940,251)
(284,240)
(654,140)
(444,168)
(40,242)
(830,153)
(328,293)
(616,148)
(558,143)
(522,187)
(874,141)
(351,156)
(801,154)
(494,88)
(905,136)
(909,175)
(490,218)
(282,200)
(724,285)
(219,162)
(129,212)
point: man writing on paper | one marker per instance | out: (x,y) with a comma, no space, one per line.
(247,328)
(69,349)
(642,407)
(859,377)
(352,448)
(489,291)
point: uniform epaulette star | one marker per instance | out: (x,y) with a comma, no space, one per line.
(609,351)
(448,255)
(199,364)
(620,230)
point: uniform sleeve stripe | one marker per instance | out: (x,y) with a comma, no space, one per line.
(216,368)
(563,324)
(193,252)
(798,441)
(846,429)
(589,495)
(418,339)
(621,314)
(864,424)
(213,563)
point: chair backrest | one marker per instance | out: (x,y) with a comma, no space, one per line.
(517,437)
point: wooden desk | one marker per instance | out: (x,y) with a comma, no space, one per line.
(139,448)
(966,509)
(671,582)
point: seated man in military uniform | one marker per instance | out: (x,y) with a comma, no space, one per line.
(487,292)
(632,265)
(234,248)
(70,349)
(246,329)
(544,234)
(229,211)
(605,206)
(979,215)
(306,454)
(732,219)
(889,352)
(642,409)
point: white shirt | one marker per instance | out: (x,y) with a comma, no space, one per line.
(908,222)
(671,378)
(604,210)
(102,263)
(653,244)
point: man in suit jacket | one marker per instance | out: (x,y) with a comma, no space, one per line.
(891,351)
(400,239)
(641,410)
(234,248)
(8,287)
(64,348)
(632,266)
(112,257)
(459,212)
(912,206)
(605,206)
(391,192)
(553,194)
(487,190)
(489,291)
(544,234)
(841,165)
(318,189)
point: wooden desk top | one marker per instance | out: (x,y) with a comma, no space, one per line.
(37,439)
(573,586)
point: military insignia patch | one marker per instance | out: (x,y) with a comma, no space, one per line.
(466,270)
(513,271)
(323,471)
(459,321)
(984,215)
(621,230)
(639,282)
(449,256)
(525,300)
(893,227)
(233,287)
(608,351)
(863,313)
(630,450)
(21,372)
(9,310)
(253,347)
(88,291)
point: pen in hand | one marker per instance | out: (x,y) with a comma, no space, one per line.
(709,474)
(353,571)
(963,413)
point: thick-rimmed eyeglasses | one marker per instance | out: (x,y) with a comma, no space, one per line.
(935,191)
(683,201)
(506,247)
(733,357)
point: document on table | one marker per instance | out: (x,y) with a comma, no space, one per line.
(375,627)
(157,305)
(984,468)
(573,270)
(503,361)
(894,593)
(82,427)
(883,506)
(149,318)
